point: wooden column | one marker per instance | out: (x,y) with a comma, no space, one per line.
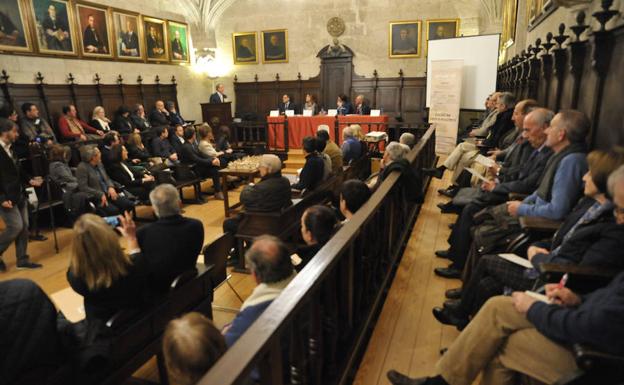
(42,95)
(547,68)
(578,52)
(561,60)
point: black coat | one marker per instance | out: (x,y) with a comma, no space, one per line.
(162,148)
(291,106)
(215,99)
(311,174)
(176,142)
(364,109)
(158,119)
(122,125)
(117,173)
(528,176)
(411,184)
(501,126)
(140,123)
(272,193)
(135,152)
(189,154)
(12,179)
(170,246)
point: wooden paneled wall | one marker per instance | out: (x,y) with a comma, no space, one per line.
(400,96)
(577,68)
(50,98)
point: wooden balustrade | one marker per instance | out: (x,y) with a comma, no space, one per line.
(315,332)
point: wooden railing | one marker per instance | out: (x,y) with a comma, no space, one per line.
(316,331)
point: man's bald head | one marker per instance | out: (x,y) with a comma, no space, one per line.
(269,259)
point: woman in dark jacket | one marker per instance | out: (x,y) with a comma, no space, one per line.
(122,122)
(135,181)
(590,236)
(136,148)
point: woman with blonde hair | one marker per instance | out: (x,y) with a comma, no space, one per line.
(108,278)
(99,119)
(136,148)
(191,345)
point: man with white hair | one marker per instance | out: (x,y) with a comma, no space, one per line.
(394,160)
(172,243)
(361,105)
(408,139)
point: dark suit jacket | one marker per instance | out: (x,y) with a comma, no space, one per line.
(214,98)
(89,181)
(140,123)
(170,246)
(12,179)
(162,148)
(364,109)
(135,152)
(272,193)
(501,126)
(117,173)
(91,37)
(291,106)
(130,41)
(528,176)
(176,142)
(122,125)
(189,154)
(158,119)
(312,173)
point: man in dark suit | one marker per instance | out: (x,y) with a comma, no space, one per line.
(206,167)
(361,106)
(177,139)
(219,96)
(172,243)
(91,40)
(287,104)
(177,49)
(13,203)
(93,180)
(159,117)
(129,41)
(155,44)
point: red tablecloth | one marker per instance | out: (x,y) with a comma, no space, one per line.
(302,126)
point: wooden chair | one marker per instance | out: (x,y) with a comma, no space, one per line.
(215,257)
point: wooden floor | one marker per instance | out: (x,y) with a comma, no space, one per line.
(407,337)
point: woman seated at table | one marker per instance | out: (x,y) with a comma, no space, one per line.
(343,106)
(99,120)
(137,182)
(310,104)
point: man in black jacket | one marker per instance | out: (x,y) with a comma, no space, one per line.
(159,117)
(219,96)
(312,172)
(172,243)
(206,167)
(13,202)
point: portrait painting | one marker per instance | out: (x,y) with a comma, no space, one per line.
(442,29)
(155,39)
(404,39)
(275,46)
(128,39)
(54,23)
(245,48)
(508,36)
(94,30)
(178,42)
(14,33)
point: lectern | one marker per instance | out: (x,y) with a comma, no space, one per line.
(221,110)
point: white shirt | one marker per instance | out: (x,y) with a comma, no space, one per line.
(127,170)
(221,96)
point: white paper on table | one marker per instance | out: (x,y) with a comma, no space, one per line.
(332,112)
(307,112)
(513,258)
(289,112)
(375,113)
(274,113)
(487,162)
(475,173)
(538,296)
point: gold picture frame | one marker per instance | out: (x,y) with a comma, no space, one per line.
(62,40)
(128,37)
(438,29)
(244,53)
(180,50)
(404,39)
(94,40)
(14,13)
(156,46)
(275,46)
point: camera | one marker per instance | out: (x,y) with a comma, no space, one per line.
(112,221)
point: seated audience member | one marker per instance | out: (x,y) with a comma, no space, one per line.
(161,146)
(172,243)
(159,117)
(8,112)
(70,127)
(270,194)
(223,137)
(177,139)
(394,160)
(520,334)
(343,106)
(191,345)
(351,147)
(122,123)
(99,270)
(590,236)
(331,148)
(33,128)
(93,180)
(287,105)
(353,194)
(138,183)
(206,167)
(408,139)
(504,123)
(174,116)
(218,96)
(268,260)
(139,119)
(490,118)
(31,345)
(109,140)
(75,201)
(361,105)
(533,155)
(99,120)
(205,142)
(312,172)
(318,224)
(136,149)
(464,153)
(311,104)
(320,149)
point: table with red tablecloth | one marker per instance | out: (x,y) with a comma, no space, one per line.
(302,126)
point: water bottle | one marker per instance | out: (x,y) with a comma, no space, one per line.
(380,110)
